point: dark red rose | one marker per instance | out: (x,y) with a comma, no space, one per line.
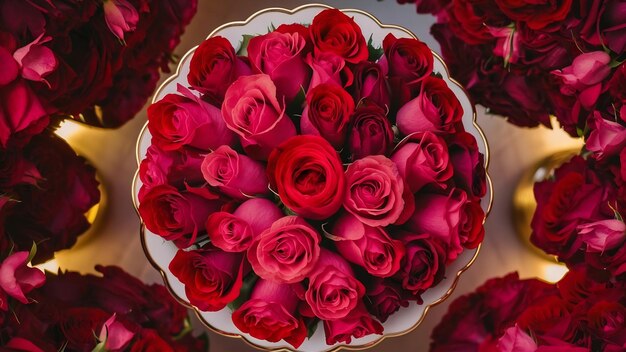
(78,326)
(547,316)
(214,66)
(327,113)
(537,15)
(358,323)
(149,340)
(22,114)
(602,25)
(370,83)
(329,68)
(468,21)
(385,297)
(423,265)
(543,49)
(370,132)
(406,59)
(333,31)
(468,164)
(212,278)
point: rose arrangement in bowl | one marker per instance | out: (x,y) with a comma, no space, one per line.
(297,176)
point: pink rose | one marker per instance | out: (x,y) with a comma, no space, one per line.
(252,110)
(516,340)
(607,138)
(333,290)
(358,323)
(328,67)
(370,83)
(368,247)
(423,158)
(186,120)
(281,56)
(435,109)
(271,314)
(327,113)
(235,232)
(377,195)
(115,335)
(214,66)
(385,297)
(450,218)
(212,278)
(22,344)
(286,252)
(602,235)
(370,132)
(120,16)
(468,165)
(584,76)
(424,263)
(17,278)
(36,60)
(176,216)
(234,174)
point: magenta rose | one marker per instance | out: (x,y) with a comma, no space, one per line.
(584,76)
(424,263)
(114,334)
(423,158)
(607,138)
(286,252)
(370,83)
(186,120)
(176,216)
(271,314)
(333,290)
(515,339)
(214,66)
(281,56)
(406,59)
(327,113)
(435,109)
(212,278)
(468,164)
(369,247)
(536,15)
(252,110)
(370,132)
(385,297)
(234,174)
(377,194)
(335,32)
(358,323)
(460,221)
(328,67)
(235,232)
(17,278)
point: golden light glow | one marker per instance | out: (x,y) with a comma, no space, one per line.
(67,129)
(51,265)
(553,272)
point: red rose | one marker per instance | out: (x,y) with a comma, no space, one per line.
(333,290)
(370,83)
(79,324)
(537,15)
(286,252)
(385,297)
(423,158)
(281,56)
(252,110)
(333,31)
(358,323)
(602,25)
(327,113)
(468,164)
(212,278)
(214,66)
(185,120)
(175,168)
(370,132)
(149,340)
(406,59)
(377,194)
(424,264)
(271,314)
(329,68)
(435,109)
(308,176)
(22,114)
(175,216)
(368,247)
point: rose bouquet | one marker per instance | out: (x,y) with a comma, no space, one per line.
(311,177)
(73,312)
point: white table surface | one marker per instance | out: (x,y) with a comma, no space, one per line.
(114,240)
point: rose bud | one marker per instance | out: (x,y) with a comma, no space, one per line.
(185,120)
(370,132)
(327,113)
(584,76)
(271,314)
(384,298)
(333,31)
(607,138)
(333,290)
(370,83)
(423,158)
(329,68)
(468,164)
(175,216)
(516,339)
(368,247)
(286,252)
(460,221)
(358,323)
(214,66)
(435,109)
(424,263)
(235,232)
(115,335)
(234,174)
(252,111)
(212,278)
(308,176)
(17,278)
(603,235)
(281,56)
(406,59)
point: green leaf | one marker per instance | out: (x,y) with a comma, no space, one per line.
(100,347)
(244,294)
(243,47)
(187,328)
(438,75)
(32,253)
(374,52)
(312,327)
(296,106)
